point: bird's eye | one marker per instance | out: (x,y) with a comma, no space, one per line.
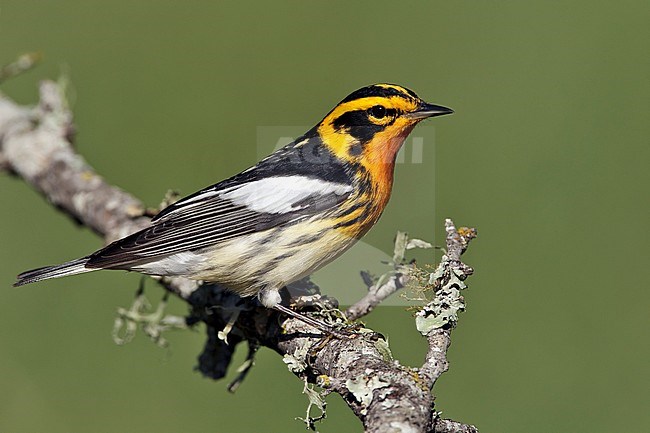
(378,111)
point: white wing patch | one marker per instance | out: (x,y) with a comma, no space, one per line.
(280,194)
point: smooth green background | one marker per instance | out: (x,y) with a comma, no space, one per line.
(547,155)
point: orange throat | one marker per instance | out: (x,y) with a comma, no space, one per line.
(380,162)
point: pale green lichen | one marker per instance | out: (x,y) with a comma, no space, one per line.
(153,324)
(445,283)
(384,350)
(443,310)
(296,362)
(315,399)
(362,389)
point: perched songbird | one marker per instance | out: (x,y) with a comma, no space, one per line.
(284,218)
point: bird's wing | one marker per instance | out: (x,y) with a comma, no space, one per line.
(221,212)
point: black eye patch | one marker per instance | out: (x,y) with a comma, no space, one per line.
(357,124)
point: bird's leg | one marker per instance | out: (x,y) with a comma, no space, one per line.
(270,298)
(321,326)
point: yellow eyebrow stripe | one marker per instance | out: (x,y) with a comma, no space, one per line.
(396,101)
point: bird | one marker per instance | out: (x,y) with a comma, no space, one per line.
(280,220)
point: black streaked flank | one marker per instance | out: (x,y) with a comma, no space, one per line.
(278,259)
(351,222)
(358,204)
(309,238)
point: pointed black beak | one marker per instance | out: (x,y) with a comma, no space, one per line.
(428,110)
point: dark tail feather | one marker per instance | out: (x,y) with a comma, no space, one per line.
(69,268)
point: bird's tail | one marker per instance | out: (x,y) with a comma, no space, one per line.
(69,268)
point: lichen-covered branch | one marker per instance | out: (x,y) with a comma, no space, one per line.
(436,320)
(36,144)
(442,425)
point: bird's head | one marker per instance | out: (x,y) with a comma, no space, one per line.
(370,125)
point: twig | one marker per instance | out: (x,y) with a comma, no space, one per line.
(390,282)
(376,295)
(24,63)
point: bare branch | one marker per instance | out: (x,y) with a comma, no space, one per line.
(377,293)
(390,282)
(36,145)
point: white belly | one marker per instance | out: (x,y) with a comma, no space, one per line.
(273,258)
